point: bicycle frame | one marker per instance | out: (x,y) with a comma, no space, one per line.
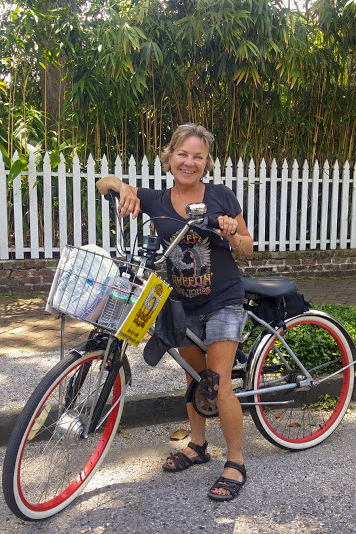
(240,394)
(75,411)
(267,329)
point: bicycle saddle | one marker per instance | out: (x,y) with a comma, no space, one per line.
(274,286)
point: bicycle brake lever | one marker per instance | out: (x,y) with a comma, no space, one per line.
(207,226)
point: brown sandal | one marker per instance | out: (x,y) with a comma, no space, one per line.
(182,461)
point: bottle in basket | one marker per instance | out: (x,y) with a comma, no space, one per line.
(134,296)
(113,312)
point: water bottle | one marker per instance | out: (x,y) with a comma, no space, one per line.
(136,291)
(113,313)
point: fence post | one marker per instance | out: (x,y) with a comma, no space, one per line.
(77,203)
(228,173)
(334,206)
(133,182)
(217,172)
(62,199)
(273,207)
(344,205)
(283,212)
(47,207)
(4,238)
(157,177)
(170,180)
(293,219)
(105,208)
(304,210)
(324,206)
(314,206)
(33,206)
(118,174)
(91,198)
(240,183)
(251,198)
(18,215)
(353,213)
(262,208)
(145,176)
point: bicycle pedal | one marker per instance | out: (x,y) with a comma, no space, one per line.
(209,384)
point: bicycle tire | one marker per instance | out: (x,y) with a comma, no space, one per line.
(48,463)
(311,414)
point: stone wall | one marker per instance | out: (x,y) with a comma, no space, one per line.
(21,276)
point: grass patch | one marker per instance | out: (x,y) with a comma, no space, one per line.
(325,402)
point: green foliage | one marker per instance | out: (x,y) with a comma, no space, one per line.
(344,314)
(310,343)
(16,168)
(324,402)
(117,76)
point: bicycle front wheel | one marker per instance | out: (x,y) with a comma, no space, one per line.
(301,418)
(49,459)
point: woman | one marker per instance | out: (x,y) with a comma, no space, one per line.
(204,276)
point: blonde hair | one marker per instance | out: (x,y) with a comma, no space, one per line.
(181,134)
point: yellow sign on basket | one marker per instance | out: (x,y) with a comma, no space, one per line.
(144,311)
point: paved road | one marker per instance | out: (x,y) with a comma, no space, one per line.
(311,492)
(286,493)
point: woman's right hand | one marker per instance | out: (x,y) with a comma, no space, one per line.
(128,201)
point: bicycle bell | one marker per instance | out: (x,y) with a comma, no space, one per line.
(196,211)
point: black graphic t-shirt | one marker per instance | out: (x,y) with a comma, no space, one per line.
(201,270)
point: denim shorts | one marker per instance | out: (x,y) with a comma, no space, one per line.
(221,325)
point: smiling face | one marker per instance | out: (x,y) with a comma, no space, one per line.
(188,161)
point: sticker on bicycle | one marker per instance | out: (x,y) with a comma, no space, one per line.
(145,311)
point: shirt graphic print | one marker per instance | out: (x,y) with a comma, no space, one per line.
(191,274)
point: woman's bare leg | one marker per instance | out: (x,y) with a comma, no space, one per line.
(221,355)
(195,357)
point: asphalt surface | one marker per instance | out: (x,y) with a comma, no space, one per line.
(309,492)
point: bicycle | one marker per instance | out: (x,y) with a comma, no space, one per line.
(67,426)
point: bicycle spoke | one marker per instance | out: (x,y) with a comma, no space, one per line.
(56,462)
(316,409)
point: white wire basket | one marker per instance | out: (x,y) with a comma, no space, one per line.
(88,286)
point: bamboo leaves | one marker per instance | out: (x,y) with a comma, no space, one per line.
(119,76)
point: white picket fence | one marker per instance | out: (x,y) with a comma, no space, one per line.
(291,208)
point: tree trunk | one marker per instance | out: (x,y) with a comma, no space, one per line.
(53,87)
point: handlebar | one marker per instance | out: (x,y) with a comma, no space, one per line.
(196,212)
(113,197)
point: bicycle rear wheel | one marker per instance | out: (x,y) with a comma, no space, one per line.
(301,418)
(49,461)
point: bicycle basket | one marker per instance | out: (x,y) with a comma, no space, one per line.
(91,286)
